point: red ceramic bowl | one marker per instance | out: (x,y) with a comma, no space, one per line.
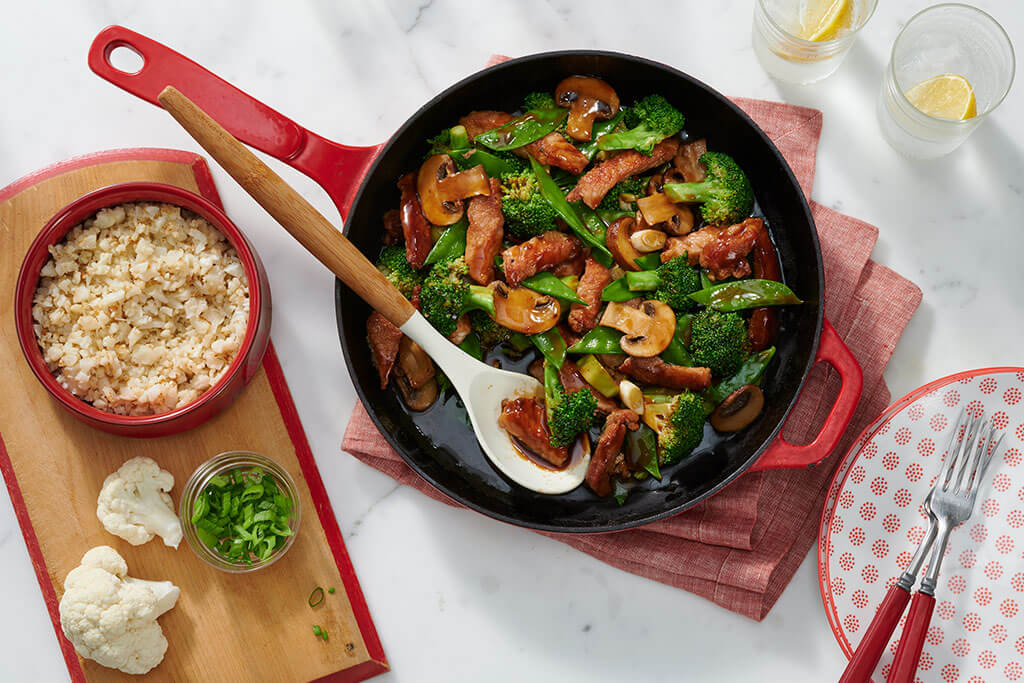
(216,398)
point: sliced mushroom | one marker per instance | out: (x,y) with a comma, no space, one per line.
(738,409)
(647,330)
(414,363)
(441,189)
(617,239)
(687,161)
(524,310)
(421,398)
(658,209)
(589,99)
(648,240)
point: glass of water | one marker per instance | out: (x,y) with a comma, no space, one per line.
(950,41)
(792,51)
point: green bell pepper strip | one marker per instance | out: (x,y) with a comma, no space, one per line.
(558,202)
(642,449)
(546,283)
(551,345)
(522,130)
(751,372)
(617,291)
(743,294)
(600,128)
(451,243)
(598,340)
(471,345)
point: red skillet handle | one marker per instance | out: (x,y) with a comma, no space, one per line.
(865,659)
(833,351)
(338,168)
(904,666)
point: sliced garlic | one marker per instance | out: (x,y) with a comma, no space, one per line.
(648,240)
(631,396)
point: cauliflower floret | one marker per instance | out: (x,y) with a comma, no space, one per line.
(134,504)
(110,617)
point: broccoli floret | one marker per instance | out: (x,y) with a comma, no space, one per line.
(718,341)
(526,210)
(725,195)
(538,100)
(489,332)
(649,121)
(635,187)
(672,282)
(446,295)
(683,429)
(568,414)
(393,263)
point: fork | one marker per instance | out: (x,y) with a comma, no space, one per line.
(878,633)
(952,502)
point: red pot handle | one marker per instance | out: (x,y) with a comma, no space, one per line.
(904,666)
(865,659)
(781,454)
(338,168)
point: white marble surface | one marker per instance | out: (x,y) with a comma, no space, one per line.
(456,596)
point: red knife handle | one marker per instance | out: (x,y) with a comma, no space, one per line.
(904,666)
(865,659)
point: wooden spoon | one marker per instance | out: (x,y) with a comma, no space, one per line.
(481,386)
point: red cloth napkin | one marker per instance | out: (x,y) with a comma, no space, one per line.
(741,547)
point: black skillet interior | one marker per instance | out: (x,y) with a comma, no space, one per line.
(440,445)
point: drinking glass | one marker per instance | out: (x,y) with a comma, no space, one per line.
(944,39)
(786,56)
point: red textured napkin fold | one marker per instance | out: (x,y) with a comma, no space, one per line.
(741,547)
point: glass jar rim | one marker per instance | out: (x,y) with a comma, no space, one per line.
(820,44)
(953,122)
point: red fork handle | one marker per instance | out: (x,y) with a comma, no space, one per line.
(782,454)
(338,168)
(865,659)
(904,666)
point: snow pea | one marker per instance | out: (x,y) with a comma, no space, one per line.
(493,165)
(751,372)
(676,352)
(554,195)
(451,243)
(642,449)
(522,130)
(609,216)
(648,261)
(743,294)
(598,340)
(546,283)
(551,345)
(596,225)
(618,291)
(600,128)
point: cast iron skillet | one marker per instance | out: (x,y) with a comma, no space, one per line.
(438,443)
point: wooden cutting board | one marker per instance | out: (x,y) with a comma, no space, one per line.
(225,627)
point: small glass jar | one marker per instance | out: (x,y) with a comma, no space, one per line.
(792,59)
(221,464)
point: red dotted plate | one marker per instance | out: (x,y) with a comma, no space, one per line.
(873,520)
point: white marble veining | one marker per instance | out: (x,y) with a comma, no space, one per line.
(456,596)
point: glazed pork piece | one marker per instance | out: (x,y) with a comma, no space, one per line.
(484,235)
(526,421)
(384,339)
(539,253)
(595,278)
(722,251)
(608,458)
(415,227)
(658,372)
(596,182)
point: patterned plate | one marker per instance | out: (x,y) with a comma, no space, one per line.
(873,520)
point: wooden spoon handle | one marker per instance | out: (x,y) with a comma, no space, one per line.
(288,207)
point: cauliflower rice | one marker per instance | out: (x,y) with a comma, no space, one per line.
(141,308)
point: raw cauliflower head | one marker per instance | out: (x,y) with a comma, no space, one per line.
(134,504)
(110,617)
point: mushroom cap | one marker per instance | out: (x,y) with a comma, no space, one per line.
(589,99)
(617,238)
(739,409)
(647,329)
(658,210)
(524,310)
(415,364)
(441,189)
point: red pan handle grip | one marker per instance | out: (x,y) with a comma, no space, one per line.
(904,666)
(864,660)
(338,168)
(782,454)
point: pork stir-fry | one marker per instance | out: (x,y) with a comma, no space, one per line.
(621,253)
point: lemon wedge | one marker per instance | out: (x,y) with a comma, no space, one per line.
(822,20)
(949,96)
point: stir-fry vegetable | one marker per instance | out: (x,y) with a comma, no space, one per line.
(599,340)
(243,515)
(743,294)
(522,130)
(565,210)
(552,345)
(450,245)
(546,283)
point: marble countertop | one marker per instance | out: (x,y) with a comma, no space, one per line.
(457,596)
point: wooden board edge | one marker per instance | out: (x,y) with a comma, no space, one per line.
(329,523)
